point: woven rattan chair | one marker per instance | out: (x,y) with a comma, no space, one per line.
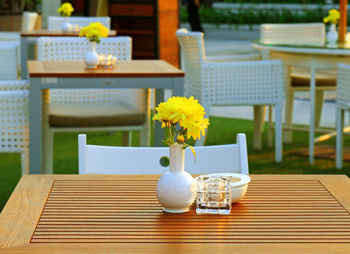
(343,104)
(121,160)
(306,34)
(70,110)
(8,61)
(54,23)
(29,20)
(14,126)
(28,23)
(240,82)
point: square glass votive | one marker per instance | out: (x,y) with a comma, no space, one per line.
(213,195)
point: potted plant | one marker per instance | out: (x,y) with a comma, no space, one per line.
(333,17)
(65,11)
(93,33)
(182,118)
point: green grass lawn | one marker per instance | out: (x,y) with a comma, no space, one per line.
(221,131)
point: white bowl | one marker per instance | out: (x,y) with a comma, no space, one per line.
(239,184)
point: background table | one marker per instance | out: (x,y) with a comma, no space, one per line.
(107,214)
(29,37)
(156,74)
(312,57)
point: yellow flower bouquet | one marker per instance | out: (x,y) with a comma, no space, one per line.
(65,9)
(332,34)
(333,16)
(94,32)
(182,118)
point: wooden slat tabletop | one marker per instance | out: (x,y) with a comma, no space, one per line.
(75,69)
(280,214)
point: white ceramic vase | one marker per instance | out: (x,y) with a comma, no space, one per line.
(332,35)
(66,26)
(176,189)
(91,57)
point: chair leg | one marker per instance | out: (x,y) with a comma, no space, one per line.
(25,162)
(259,117)
(318,106)
(289,115)
(270,129)
(127,138)
(339,139)
(278,133)
(48,151)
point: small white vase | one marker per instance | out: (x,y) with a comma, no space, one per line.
(176,189)
(66,26)
(332,35)
(91,57)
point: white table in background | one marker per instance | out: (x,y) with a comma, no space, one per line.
(314,58)
(43,75)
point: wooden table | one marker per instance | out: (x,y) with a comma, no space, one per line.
(29,37)
(156,74)
(110,214)
(314,58)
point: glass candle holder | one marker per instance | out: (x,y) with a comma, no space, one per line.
(107,61)
(213,195)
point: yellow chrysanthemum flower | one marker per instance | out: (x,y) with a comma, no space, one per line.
(333,16)
(94,32)
(65,9)
(186,113)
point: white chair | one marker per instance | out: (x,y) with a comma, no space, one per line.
(29,20)
(14,126)
(28,23)
(146,160)
(343,104)
(54,23)
(8,61)
(305,34)
(92,109)
(240,82)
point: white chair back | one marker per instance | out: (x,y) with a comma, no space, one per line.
(192,56)
(146,160)
(8,61)
(74,49)
(308,33)
(249,83)
(13,120)
(29,20)
(343,86)
(54,23)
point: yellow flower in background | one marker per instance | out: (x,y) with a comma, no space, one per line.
(66,9)
(94,32)
(182,116)
(333,16)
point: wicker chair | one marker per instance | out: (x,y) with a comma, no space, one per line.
(240,82)
(306,34)
(343,104)
(70,110)
(14,126)
(8,61)
(54,23)
(29,20)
